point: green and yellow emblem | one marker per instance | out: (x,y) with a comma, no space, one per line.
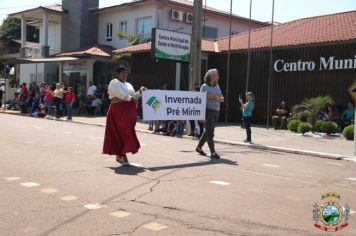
(154,102)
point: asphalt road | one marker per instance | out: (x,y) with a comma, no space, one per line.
(55,181)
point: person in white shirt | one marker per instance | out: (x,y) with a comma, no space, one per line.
(120,135)
(91,90)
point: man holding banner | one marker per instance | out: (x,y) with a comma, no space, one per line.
(214,98)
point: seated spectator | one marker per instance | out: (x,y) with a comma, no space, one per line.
(85,104)
(179,128)
(279,120)
(35,103)
(330,113)
(347,117)
(95,105)
(41,112)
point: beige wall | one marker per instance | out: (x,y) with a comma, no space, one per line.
(161,19)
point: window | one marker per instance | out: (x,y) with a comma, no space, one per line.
(210,32)
(123,27)
(109,32)
(144,28)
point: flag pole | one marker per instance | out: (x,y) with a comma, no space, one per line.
(270,74)
(249,50)
(228,68)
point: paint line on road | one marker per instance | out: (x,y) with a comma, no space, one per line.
(120,214)
(69,198)
(67,132)
(44,145)
(219,182)
(269,165)
(38,127)
(95,206)
(352,212)
(334,163)
(30,184)
(143,144)
(49,190)
(136,164)
(29,142)
(155,226)
(12,178)
(353,179)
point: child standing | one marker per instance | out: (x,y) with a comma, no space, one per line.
(247,109)
(69,100)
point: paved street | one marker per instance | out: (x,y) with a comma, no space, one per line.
(54,181)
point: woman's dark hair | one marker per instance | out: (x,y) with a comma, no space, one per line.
(120,69)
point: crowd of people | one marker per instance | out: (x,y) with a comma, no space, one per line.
(342,116)
(58,100)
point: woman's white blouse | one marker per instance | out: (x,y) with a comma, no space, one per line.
(124,91)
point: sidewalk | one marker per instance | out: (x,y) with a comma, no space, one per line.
(334,147)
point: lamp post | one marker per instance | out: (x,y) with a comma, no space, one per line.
(195,64)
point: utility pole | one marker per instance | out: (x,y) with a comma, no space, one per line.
(195,63)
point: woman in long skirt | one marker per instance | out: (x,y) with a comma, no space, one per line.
(120,135)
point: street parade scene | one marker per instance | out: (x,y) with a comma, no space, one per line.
(177,117)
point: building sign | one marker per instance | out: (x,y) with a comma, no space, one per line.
(173,105)
(81,66)
(171,45)
(324,64)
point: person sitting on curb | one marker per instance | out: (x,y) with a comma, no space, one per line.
(281,116)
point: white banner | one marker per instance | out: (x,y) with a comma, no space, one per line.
(173,105)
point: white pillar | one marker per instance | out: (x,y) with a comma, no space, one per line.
(23,31)
(90,72)
(45,28)
(178,69)
(45,46)
(23,36)
(60,71)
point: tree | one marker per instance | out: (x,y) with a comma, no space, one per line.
(11,29)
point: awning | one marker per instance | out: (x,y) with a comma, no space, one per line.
(43,60)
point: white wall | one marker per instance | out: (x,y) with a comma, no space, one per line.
(28,71)
(54,37)
(115,17)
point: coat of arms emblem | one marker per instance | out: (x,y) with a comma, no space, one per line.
(330,216)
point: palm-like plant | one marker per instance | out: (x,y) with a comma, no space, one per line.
(131,39)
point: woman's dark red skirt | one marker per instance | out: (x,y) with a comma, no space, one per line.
(120,135)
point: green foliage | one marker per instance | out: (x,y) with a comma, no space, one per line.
(311,108)
(317,125)
(11,29)
(132,39)
(329,127)
(348,132)
(304,127)
(293,125)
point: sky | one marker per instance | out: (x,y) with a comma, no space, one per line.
(285,10)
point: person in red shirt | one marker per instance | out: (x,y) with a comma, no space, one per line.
(69,99)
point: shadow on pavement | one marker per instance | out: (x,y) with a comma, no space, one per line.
(128,170)
(197,164)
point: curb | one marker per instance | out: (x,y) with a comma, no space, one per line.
(234,143)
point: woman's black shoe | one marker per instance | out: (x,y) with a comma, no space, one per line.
(200,151)
(215,156)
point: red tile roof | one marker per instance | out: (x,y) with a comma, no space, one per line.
(98,50)
(207,46)
(313,30)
